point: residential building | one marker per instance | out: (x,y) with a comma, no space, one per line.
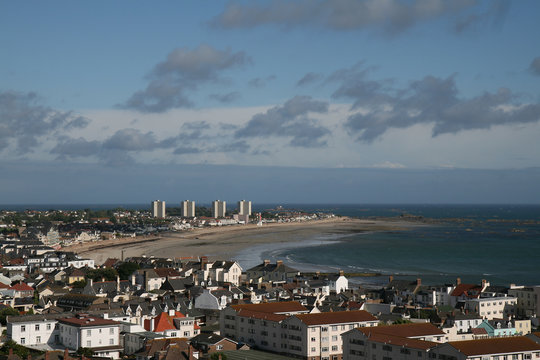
(509,348)
(225,272)
(528,300)
(40,331)
(219,209)
(275,273)
(406,341)
(188,209)
(288,328)
(158,209)
(492,307)
(100,335)
(244,207)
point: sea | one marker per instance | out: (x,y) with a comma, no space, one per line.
(498,243)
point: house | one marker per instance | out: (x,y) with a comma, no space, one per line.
(491,307)
(207,344)
(21,290)
(35,330)
(225,272)
(100,335)
(168,349)
(147,279)
(267,272)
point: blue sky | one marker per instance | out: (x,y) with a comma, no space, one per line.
(431,98)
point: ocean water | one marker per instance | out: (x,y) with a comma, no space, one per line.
(498,243)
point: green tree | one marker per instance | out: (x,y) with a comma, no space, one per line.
(17,349)
(98,274)
(216,356)
(7,312)
(85,351)
(126,269)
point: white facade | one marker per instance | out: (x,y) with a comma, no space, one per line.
(188,208)
(493,307)
(34,330)
(101,335)
(158,209)
(219,208)
(244,207)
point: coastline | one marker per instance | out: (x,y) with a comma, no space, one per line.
(244,243)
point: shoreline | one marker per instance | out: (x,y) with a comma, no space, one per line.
(226,243)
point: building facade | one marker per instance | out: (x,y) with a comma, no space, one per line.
(244,207)
(219,208)
(188,208)
(158,209)
(100,335)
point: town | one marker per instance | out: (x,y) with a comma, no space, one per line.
(56,304)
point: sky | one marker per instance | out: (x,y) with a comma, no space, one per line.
(319,101)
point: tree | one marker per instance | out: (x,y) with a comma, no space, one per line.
(98,274)
(8,311)
(126,269)
(217,356)
(17,349)
(85,351)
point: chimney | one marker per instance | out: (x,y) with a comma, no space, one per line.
(117,283)
(458,281)
(390,278)
(66,354)
(418,282)
(266,262)
(46,355)
(10,352)
(279,262)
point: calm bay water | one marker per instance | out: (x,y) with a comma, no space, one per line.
(499,243)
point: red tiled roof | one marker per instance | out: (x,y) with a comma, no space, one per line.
(466,289)
(479,331)
(163,322)
(336,317)
(495,345)
(164,272)
(406,330)
(273,307)
(21,287)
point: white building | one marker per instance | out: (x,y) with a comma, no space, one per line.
(100,335)
(188,209)
(515,348)
(244,207)
(219,208)
(492,307)
(40,331)
(158,209)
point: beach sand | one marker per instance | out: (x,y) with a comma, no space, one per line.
(225,242)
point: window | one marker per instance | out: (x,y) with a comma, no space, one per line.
(324,349)
(334,327)
(334,337)
(173,334)
(111,341)
(334,348)
(38,339)
(23,341)
(186,333)
(89,332)
(313,349)
(88,343)
(219,347)
(313,339)
(111,331)
(23,328)
(48,326)
(37,327)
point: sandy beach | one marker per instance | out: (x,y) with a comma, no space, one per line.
(227,241)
